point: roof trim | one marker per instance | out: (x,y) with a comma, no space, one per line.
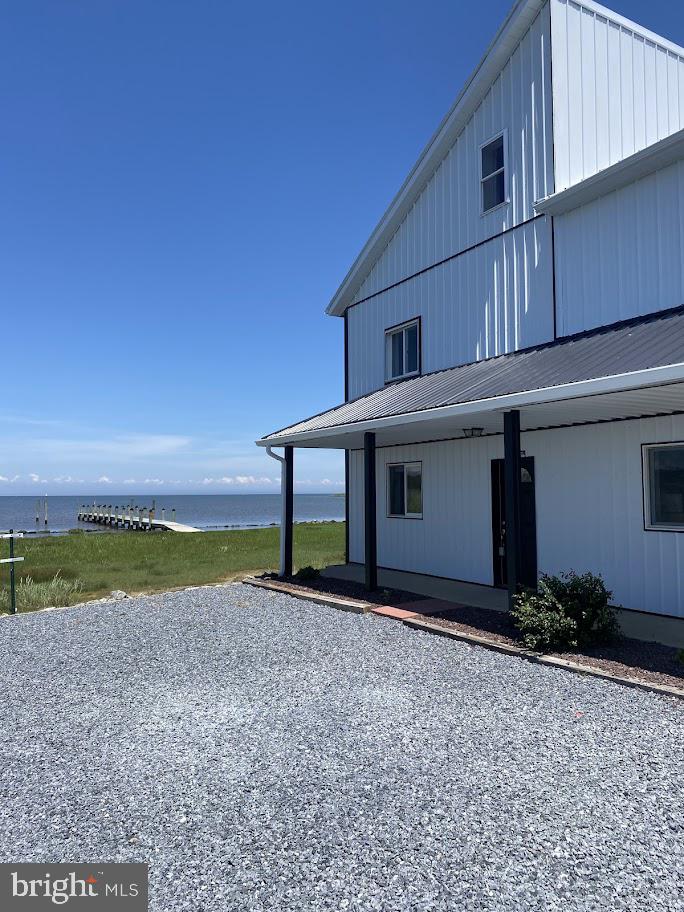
(518,21)
(632,380)
(630,25)
(648,160)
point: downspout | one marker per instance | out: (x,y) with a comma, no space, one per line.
(283,509)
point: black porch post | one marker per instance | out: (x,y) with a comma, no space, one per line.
(289,503)
(346,506)
(512,476)
(369,511)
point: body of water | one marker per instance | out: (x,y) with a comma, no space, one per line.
(205,511)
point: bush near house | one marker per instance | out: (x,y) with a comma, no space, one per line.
(568,611)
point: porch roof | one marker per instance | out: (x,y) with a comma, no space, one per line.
(635,368)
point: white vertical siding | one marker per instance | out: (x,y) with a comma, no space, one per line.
(616,90)
(492,299)
(589,511)
(622,255)
(445,218)
(454,538)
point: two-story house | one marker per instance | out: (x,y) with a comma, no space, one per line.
(514,332)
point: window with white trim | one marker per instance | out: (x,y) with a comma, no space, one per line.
(402,351)
(664,486)
(493,173)
(405,490)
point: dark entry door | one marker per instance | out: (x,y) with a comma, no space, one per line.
(528,523)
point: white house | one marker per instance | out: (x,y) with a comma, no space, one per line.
(514,332)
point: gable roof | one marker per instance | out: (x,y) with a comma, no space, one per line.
(516,24)
(508,37)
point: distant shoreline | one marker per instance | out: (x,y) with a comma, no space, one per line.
(243,527)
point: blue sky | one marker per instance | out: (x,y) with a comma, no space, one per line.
(184,185)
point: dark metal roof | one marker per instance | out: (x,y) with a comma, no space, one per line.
(636,345)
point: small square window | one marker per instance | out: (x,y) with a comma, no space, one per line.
(402,351)
(664,487)
(493,173)
(405,490)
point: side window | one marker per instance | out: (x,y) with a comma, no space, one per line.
(493,173)
(402,351)
(405,490)
(664,487)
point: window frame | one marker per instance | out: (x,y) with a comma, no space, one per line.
(506,200)
(394,330)
(405,465)
(646,448)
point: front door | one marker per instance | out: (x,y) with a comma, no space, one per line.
(528,523)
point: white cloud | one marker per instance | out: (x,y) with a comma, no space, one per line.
(321,481)
(241,480)
(3,478)
(129,481)
(34,478)
(104,480)
(153,481)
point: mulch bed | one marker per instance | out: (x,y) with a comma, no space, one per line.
(650,662)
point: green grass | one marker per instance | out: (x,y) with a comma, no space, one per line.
(88,565)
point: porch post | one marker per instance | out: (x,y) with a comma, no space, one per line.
(288,503)
(369,511)
(346,506)
(512,477)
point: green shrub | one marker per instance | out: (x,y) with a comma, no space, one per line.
(32,595)
(570,610)
(307,573)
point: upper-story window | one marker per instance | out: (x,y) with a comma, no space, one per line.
(402,351)
(493,173)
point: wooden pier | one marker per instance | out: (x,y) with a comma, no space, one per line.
(137,519)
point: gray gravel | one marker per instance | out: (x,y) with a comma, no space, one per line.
(265,754)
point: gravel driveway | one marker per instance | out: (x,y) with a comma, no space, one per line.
(265,754)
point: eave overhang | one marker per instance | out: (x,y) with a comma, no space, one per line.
(659,155)
(605,399)
(631,369)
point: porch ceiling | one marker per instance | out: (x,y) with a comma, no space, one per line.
(635,369)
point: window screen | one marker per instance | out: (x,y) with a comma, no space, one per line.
(396,490)
(405,490)
(666,485)
(403,357)
(493,174)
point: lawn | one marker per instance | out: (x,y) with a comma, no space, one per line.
(97,563)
